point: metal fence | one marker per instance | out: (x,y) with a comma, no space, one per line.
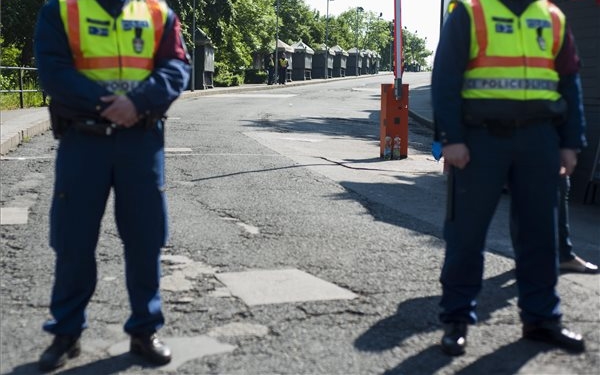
(21,90)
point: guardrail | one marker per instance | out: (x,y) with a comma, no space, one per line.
(21,89)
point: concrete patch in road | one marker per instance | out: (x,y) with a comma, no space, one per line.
(220,293)
(261,287)
(184,271)
(184,349)
(13,215)
(251,229)
(177,282)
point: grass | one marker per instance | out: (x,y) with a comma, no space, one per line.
(10,100)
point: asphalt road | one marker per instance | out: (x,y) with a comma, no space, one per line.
(275,180)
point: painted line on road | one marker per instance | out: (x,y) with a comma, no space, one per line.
(377,90)
(220,154)
(22,158)
(258,96)
(13,215)
(302,139)
(178,149)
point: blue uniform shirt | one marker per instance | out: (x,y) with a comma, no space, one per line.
(451,60)
(74,93)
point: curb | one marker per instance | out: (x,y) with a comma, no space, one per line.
(420,119)
(12,140)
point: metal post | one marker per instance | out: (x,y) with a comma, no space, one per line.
(398,49)
(357,10)
(194,48)
(326,42)
(276,41)
(21,88)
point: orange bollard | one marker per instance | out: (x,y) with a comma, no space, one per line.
(393,121)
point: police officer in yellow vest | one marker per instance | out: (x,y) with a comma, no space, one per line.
(112,69)
(283,67)
(507,109)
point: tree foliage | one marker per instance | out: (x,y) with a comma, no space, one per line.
(415,52)
(17,25)
(241,29)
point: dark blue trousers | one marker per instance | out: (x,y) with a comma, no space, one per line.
(131,162)
(528,161)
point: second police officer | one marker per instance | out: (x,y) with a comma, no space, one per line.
(507,107)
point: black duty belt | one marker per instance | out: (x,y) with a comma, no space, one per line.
(511,124)
(506,128)
(94,127)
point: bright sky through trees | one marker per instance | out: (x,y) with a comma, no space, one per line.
(422,16)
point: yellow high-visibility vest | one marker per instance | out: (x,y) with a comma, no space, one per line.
(513,57)
(116,53)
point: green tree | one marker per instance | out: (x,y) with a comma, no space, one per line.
(415,51)
(242,37)
(298,22)
(17,26)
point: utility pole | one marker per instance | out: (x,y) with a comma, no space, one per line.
(358,9)
(327,42)
(194,48)
(276,42)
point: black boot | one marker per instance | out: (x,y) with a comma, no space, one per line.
(56,355)
(555,334)
(150,348)
(454,340)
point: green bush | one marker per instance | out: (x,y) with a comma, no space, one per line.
(224,77)
(255,76)
(30,99)
(9,80)
(9,57)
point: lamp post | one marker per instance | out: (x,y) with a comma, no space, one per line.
(358,9)
(194,48)
(327,41)
(276,42)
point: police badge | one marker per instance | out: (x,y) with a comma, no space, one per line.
(138,42)
(540,40)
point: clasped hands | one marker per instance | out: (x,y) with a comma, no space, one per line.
(120,111)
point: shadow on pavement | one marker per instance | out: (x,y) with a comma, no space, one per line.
(419,315)
(105,366)
(506,360)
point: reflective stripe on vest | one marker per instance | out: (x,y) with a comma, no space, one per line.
(114,52)
(513,57)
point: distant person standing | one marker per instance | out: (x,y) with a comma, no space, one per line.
(283,66)
(569,261)
(112,69)
(506,95)
(270,69)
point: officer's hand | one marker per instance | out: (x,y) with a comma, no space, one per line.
(456,155)
(568,161)
(121,110)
